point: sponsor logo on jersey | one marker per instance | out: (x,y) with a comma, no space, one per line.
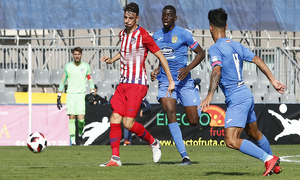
(228,41)
(167,51)
(174,39)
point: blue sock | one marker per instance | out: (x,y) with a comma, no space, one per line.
(265,145)
(127,135)
(247,147)
(177,137)
(198,101)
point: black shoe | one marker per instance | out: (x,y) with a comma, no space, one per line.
(185,161)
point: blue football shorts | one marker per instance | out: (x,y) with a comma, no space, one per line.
(184,92)
(240,113)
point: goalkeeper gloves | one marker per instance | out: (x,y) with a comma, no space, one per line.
(91,98)
(59,105)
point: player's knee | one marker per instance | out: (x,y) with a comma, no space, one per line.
(231,143)
(194,122)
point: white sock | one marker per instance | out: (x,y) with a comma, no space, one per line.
(269,158)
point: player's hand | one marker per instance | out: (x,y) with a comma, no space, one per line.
(154,74)
(59,105)
(106,59)
(141,113)
(205,103)
(183,72)
(170,89)
(279,86)
(91,98)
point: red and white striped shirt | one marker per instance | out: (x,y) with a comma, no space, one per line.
(134,50)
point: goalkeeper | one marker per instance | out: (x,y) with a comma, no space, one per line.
(76,72)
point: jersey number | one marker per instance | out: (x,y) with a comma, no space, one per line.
(237,64)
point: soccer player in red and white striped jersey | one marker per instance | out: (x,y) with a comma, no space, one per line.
(135,44)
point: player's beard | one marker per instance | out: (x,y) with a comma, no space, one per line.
(77,62)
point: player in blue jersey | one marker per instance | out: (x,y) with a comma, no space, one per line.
(174,42)
(227,64)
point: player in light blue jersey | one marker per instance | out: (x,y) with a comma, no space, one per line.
(174,42)
(227,63)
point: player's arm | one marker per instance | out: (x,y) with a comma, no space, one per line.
(61,88)
(214,81)
(164,64)
(90,79)
(108,60)
(200,54)
(264,68)
(155,72)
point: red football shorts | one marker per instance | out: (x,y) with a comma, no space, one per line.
(127,99)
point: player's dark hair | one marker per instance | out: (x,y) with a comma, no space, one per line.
(217,17)
(77,49)
(132,7)
(171,8)
(96,87)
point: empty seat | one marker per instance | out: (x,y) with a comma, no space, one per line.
(272,90)
(272,98)
(111,76)
(2,74)
(259,88)
(288,98)
(97,75)
(218,98)
(11,89)
(7,98)
(204,86)
(262,78)
(41,77)
(104,89)
(199,74)
(153,87)
(2,86)
(22,76)
(152,98)
(9,77)
(249,77)
(56,76)
(257,98)
(148,71)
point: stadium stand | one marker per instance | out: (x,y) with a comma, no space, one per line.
(53,50)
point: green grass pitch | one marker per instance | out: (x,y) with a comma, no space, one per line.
(82,162)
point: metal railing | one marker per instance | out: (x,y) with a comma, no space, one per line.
(279,60)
